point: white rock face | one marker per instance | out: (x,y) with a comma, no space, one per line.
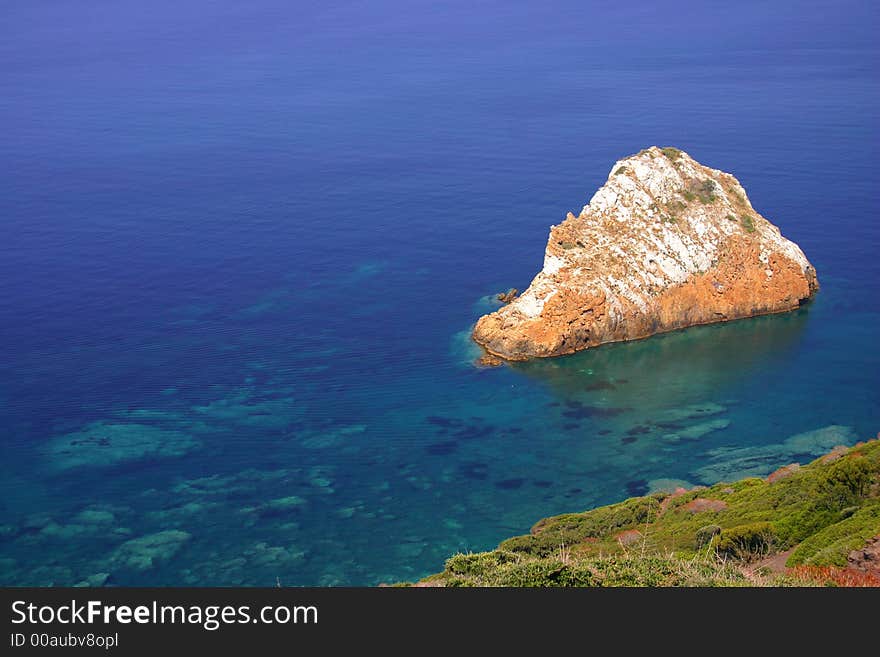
(663,231)
(632,197)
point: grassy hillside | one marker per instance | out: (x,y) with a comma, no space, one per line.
(795,528)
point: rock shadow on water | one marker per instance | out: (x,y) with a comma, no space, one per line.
(666,370)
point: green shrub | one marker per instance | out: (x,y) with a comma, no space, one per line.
(705,535)
(703,190)
(731,217)
(670,152)
(748,223)
(620,171)
(479,563)
(546,572)
(846,482)
(636,571)
(706,192)
(458,582)
(745,542)
(572,528)
(832,545)
(526,544)
(798,525)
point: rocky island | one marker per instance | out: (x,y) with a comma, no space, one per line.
(664,244)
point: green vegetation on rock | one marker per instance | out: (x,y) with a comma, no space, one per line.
(706,192)
(520,570)
(745,542)
(707,536)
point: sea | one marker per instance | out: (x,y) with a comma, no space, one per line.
(243,245)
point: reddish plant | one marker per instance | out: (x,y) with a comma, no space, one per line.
(847,577)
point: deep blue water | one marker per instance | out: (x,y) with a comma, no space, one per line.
(242,245)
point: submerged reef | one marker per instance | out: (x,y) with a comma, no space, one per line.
(110,443)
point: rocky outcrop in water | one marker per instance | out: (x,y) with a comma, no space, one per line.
(664,244)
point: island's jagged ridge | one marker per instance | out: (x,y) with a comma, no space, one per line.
(664,244)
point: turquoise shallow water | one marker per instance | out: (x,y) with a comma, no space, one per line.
(242,251)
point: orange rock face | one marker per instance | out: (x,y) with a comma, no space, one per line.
(665,244)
